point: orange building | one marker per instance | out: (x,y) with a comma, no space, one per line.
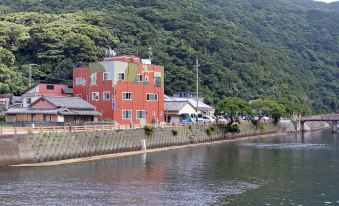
(124,89)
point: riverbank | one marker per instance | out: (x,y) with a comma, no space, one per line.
(59,149)
(109,156)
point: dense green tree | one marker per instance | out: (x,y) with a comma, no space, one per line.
(248,48)
(233,107)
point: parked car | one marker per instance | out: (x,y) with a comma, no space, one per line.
(188,120)
(221,119)
(208,119)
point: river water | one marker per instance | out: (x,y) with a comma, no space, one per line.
(282,170)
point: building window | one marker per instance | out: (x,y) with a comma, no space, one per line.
(79,95)
(146,78)
(140,78)
(78,81)
(94,77)
(29,100)
(153,113)
(157,81)
(106,95)
(127,95)
(106,76)
(121,76)
(151,97)
(95,95)
(141,114)
(127,114)
(50,86)
(47,118)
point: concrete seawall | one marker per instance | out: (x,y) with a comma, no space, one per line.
(44,147)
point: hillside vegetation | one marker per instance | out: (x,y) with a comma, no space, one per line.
(247,48)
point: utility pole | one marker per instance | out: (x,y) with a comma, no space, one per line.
(197,97)
(29,75)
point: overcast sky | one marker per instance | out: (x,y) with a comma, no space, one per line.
(327,1)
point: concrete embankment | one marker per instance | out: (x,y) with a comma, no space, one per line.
(47,147)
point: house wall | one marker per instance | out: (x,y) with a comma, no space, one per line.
(11,118)
(112,108)
(187,109)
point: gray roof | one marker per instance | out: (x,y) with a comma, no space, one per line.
(67,90)
(175,105)
(80,112)
(70,102)
(192,101)
(26,110)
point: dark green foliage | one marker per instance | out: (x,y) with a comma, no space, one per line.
(232,107)
(233,128)
(174,132)
(250,49)
(149,130)
(208,131)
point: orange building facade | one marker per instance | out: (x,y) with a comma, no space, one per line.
(123,89)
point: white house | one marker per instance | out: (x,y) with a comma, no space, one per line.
(176,107)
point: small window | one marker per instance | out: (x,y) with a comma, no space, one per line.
(127,95)
(50,86)
(106,95)
(153,113)
(121,76)
(106,76)
(157,81)
(151,97)
(47,118)
(127,114)
(79,95)
(141,114)
(140,78)
(95,95)
(94,77)
(78,81)
(29,100)
(146,78)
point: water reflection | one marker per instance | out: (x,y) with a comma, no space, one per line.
(280,170)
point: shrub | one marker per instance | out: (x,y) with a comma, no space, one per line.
(208,131)
(234,128)
(212,129)
(149,130)
(255,123)
(174,132)
(261,126)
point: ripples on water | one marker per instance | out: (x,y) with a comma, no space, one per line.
(283,170)
(132,193)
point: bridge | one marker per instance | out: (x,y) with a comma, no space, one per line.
(334,118)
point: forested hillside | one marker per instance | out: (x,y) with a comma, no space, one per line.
(247,48)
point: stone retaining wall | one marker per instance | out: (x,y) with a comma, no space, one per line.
(33,148)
